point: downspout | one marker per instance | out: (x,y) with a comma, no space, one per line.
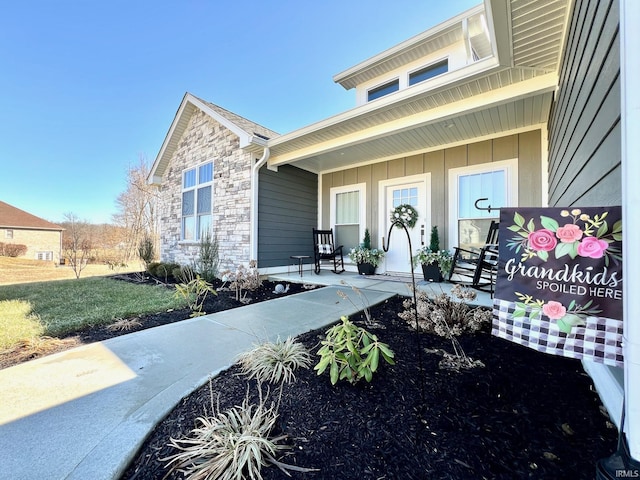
(254,203)
(630,113)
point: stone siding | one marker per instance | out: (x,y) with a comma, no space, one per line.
(207,140)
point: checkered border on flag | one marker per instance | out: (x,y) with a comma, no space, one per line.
(599,341)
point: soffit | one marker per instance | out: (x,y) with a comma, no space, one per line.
(537,29)
(481,86)
(465,127)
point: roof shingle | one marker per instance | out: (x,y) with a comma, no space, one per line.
(12,217)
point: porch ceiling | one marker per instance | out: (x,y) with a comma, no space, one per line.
(419,126)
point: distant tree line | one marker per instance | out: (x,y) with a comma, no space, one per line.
(119,243)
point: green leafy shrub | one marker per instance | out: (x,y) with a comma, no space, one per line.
(163,271)
(351,353)
(152,268)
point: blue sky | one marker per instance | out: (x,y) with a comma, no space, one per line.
(87,88)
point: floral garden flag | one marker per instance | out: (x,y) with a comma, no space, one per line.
(559,283)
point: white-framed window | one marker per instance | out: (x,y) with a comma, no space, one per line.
(197,201)
(348,206)
(382,90)
(8,233)
(497,182)
(430,71)
(47,256)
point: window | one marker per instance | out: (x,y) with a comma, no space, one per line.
(197,188)
(347,208)
(429,72)
(383,90)
(405,196)
(8,233)
(497,182)
(48,256)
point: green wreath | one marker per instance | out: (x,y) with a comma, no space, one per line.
(406,214)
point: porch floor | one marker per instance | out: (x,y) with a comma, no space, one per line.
(383,283)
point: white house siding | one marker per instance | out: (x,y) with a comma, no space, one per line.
(526,147)
(207,140)
(585,138)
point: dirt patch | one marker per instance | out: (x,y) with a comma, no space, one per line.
(524,415)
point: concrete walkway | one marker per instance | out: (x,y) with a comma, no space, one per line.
(83,413)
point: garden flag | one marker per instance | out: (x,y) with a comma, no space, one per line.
(559,282)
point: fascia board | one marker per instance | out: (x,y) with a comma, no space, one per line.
(246,139)
(399,48)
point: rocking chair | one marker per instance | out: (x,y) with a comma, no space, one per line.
(477,268)
(324,249)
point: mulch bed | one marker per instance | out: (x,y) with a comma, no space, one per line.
(524,415)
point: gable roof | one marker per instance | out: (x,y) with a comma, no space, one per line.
(12,217)
(253,137)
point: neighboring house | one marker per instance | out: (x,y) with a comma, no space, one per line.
(43,239)
(515,101)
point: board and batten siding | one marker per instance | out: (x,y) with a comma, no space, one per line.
(526,147)
(287,214)
(585,137)
(584,128)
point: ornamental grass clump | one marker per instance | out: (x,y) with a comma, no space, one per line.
(275,362)
(230,445)
(351,353)
(447,317)
(236,444)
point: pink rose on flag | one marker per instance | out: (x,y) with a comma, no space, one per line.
(569,233)
(592,247)
(554,310)
(542,240)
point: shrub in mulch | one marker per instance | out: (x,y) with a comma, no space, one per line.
(524,414)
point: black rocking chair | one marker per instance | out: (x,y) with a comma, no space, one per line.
(477,268)
(324,249)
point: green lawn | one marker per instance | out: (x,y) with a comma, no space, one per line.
(60,307)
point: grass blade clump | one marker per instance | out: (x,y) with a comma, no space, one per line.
(229,445)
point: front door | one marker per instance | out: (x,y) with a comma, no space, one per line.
(411,191)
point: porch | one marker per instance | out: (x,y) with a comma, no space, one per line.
(383,283)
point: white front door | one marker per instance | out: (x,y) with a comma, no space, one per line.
(412,191)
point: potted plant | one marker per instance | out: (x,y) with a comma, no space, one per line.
(365,257)
(435,262)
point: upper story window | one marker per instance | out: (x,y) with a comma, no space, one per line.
(428,72)
(197,189)
(382,90)
(8,233)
